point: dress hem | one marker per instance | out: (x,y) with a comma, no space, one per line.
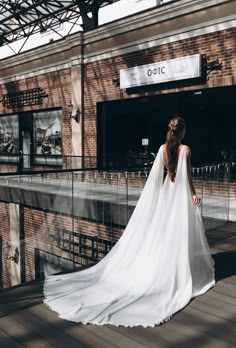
(64,317)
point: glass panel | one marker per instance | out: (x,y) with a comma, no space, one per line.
(70,219)
(47,136)
(9,138)
(212,185)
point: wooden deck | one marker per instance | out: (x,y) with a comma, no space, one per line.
(208,321)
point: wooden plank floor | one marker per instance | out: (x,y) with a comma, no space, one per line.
(208,321)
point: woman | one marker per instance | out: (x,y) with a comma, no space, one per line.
(161,261)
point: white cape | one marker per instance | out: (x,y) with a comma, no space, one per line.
(161,261)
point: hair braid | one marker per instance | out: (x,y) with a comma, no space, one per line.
(175,127)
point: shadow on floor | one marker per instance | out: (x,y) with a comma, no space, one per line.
(225,264)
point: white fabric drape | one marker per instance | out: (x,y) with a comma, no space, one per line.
(161,261)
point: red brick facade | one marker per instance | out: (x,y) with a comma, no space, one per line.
(5,234)
(50,232)
(98,75)
(57,85)
(98,84)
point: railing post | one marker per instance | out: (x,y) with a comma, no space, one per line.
(72,213)
(228,176)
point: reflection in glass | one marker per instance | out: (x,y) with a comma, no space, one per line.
(47,133)
(9,135)
(47,137)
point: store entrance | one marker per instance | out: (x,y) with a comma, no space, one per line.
(209,115)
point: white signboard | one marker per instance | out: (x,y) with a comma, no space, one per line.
(166,71)
(145,142)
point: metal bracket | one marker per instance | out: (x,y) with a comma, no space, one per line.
(15,257)
(209,67)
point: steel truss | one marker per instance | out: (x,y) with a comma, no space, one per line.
(19,19)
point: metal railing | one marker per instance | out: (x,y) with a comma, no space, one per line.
(35,162)
(213,183)
(69,218)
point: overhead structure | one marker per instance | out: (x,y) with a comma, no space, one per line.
(21,18)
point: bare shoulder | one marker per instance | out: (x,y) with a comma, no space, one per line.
(163,146)
(188,151)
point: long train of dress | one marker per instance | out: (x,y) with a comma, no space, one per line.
(161,261)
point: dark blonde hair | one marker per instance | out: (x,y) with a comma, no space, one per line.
(175,127)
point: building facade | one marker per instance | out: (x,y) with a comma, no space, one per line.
(105,94)
(80,77)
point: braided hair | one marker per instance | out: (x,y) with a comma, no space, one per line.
(175,127)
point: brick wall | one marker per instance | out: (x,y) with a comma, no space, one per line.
(39,226)
(99,74)
(5,234)
(45,231)
(98,84)
(57,85)
(8,168)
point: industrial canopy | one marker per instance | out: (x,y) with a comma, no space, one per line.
(21,18)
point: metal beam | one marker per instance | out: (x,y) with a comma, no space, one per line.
(19,19)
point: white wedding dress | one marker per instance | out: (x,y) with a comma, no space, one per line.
(161,261)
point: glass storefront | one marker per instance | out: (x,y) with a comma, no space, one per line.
(31,138)
(209,115)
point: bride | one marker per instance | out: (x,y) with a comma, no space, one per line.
(161,261)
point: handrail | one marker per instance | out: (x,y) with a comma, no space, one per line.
(199,169)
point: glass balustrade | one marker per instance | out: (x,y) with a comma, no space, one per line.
(58,221)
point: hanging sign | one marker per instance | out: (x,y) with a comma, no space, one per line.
(145,142)
(166,71)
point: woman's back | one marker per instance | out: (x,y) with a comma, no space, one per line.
(165,154)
